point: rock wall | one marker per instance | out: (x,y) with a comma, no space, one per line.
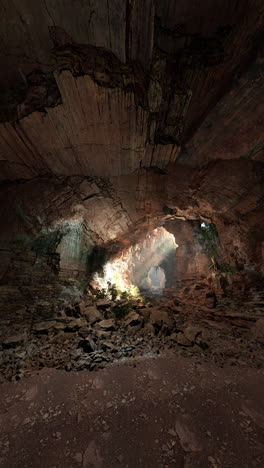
(51,227)
(99,90)
(192,259)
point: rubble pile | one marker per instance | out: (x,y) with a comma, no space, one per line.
(96,332)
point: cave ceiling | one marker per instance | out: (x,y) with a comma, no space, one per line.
(106,88)
(124,115)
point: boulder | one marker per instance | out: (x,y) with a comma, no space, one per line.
(61,337)
(133,319)
(108,346)
(84,331)
(76,324)
(191,333)
(102,334)
(86,302)
(104,303)
(44,326)
(14,340)
(60,325)
(133,329)
(148,330)
(160,317)
(145,313)
(92,314)
(182,340)
(107,324)
(173,337)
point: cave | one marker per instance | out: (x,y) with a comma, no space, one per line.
(155,280)
(148,265)
(131,233)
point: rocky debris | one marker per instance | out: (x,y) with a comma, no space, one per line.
(100,335)
(108,346)
(104,303)
(191,333)
(145,313)
(133,319)
(172,338)
(160,317)
(61,337)
(44,326)
(14,340)
(148,330)
(92,314)
(214,462)
(84,332)
(182,340)
(107,324)
(76,324)
(88,345)
(133,329)
(59,326)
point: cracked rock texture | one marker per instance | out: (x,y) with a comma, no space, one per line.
(117,117)
(103,91)
(59,230)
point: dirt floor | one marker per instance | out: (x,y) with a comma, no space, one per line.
(154,411)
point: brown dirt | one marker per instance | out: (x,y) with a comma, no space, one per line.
(165,411)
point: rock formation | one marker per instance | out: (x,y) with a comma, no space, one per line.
(121,117)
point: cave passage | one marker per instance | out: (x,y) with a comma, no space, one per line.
(155,281)
(148,265)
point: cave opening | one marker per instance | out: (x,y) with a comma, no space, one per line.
(155,280)
(147,266)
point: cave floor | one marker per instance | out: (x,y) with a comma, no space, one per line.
(157,411)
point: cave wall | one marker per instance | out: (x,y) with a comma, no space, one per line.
(192,259)
(217,266)
(116,117)
(43,252)
(51,225)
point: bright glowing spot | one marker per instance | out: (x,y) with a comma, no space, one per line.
(114,272)
(155,280)
(139,265)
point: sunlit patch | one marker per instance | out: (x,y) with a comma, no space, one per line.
(144,265)
(155,280)
(115,272)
